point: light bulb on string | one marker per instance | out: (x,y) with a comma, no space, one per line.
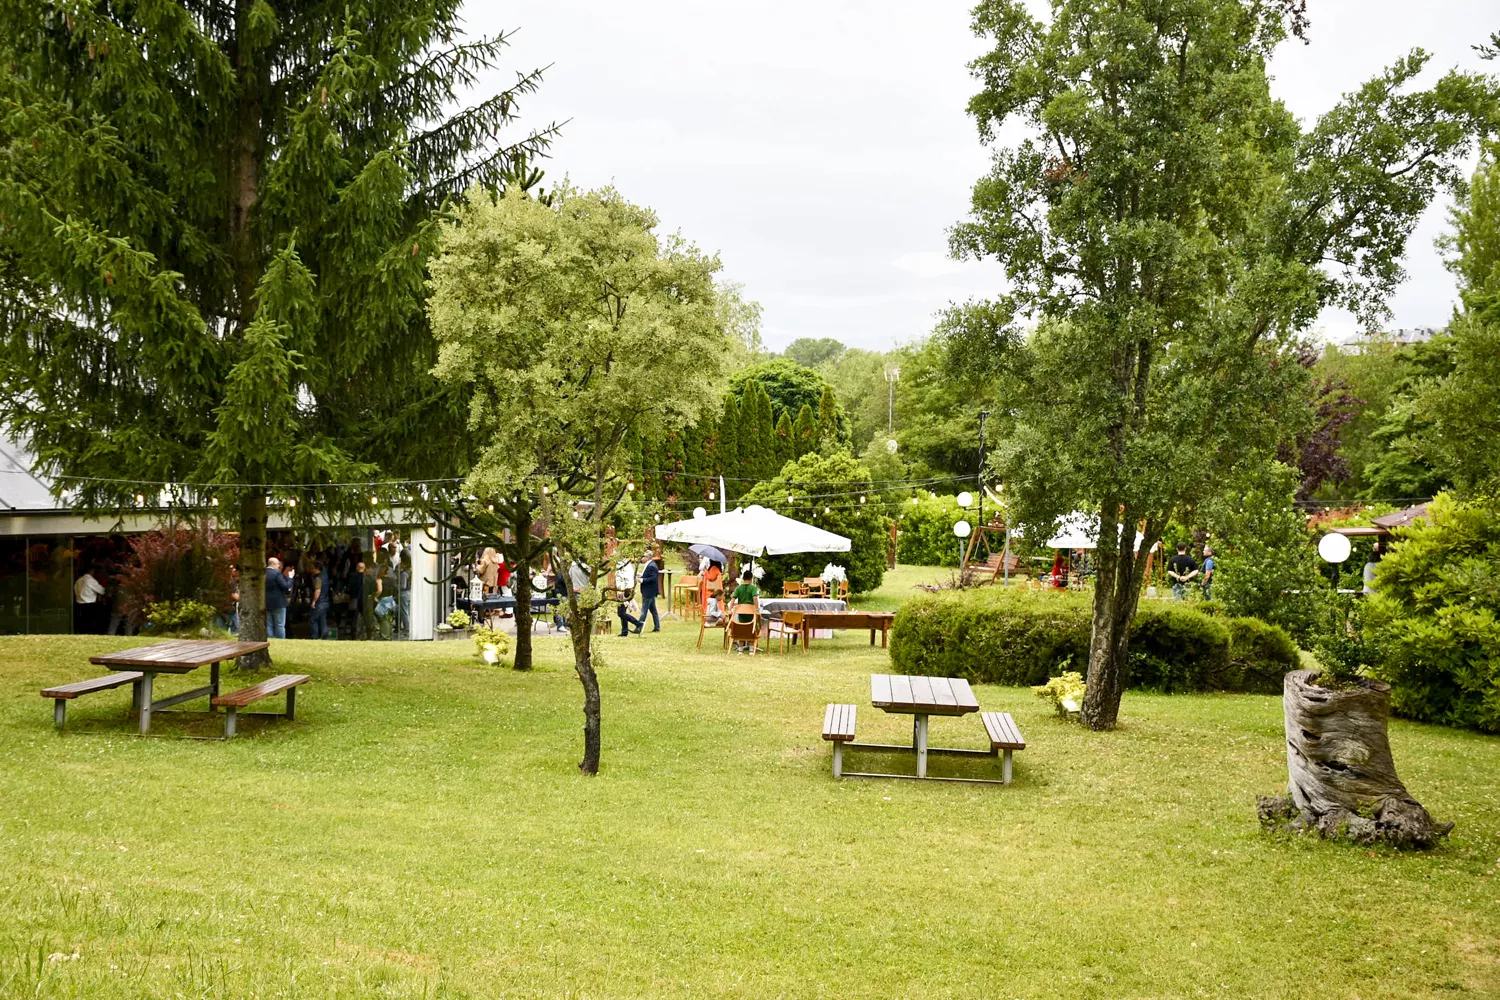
(630,486)
(711,495)
(214,502)
(861,498)
(291,501)
(374,500)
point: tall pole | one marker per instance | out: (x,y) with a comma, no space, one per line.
(892,374)
(979,479)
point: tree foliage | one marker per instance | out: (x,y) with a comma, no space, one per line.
(569,325)
(1173,229)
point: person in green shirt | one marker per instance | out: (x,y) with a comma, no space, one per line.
(745,593)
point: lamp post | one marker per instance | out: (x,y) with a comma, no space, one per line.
(892,375)
(961,529)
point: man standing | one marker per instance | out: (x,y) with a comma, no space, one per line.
(368,592)
(278,589)
(624,590)
(1209,565)
(1181,570)
(355,585)
(650,589)
(86,594)
(322,603)
(403,589)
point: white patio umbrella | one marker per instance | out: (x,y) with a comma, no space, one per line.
(753,531)
(1081,531)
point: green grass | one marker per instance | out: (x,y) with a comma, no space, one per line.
(421,831)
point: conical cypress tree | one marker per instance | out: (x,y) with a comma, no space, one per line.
(829,439)
(158,322)
(758,444)
(786,450)
(805,431)
(727,446)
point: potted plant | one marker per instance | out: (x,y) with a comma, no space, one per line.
(456,627)
(1342,780)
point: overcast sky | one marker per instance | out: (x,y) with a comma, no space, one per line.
(822,150)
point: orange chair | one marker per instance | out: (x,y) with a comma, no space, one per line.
(791,588)
(685,598)
(789,626)
(843,590)
(714,589)
(738,631)
(815,586)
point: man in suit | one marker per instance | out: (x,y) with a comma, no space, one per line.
(278,589)
(650,588)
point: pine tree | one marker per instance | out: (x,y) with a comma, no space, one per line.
(804,432)
(214,226)
(786,450)
(727,458)
(830,439)
(758,445)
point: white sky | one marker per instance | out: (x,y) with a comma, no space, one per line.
(822,149)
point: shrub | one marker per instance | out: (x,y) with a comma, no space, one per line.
(996,636)
(1065,691)
(458,619)
(185,617)
(486,635)
(926,532)
(187,563)
(1434,620)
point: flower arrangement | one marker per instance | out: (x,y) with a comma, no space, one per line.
(459,619)
(834,574)
(1065,691)
(756,573)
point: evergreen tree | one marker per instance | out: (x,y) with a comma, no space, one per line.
(727,459)
(804,432)
(786,449)
(758,444)
(214,227)
(829,434)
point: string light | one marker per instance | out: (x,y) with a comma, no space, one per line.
(140,499)
(490,508)
(711,495)
(861,498)
(291,501)
(214,502)
(374,500)
(630,486)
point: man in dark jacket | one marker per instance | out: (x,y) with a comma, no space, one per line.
(650,588)
(322,603)
(278,589)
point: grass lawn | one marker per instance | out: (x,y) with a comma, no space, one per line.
(421,831)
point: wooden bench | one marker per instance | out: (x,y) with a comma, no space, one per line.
(65,693)
(838,729)
(1005,736)
(236,700)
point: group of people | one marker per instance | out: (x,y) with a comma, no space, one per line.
(1183,570)
(370,595)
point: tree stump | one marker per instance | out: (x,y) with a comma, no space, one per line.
(1341,779)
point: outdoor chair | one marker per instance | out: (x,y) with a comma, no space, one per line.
(685,598)
(815,587)
(843,590)
(792,588)
(738,631)
(703,622)
(787,627)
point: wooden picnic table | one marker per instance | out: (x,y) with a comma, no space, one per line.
(875,621)
(921,697)
(175,656)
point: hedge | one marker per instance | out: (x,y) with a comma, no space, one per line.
(994,636)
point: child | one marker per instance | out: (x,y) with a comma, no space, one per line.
(745,593)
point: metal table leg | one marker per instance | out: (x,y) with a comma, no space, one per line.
(145,706)
(921,744)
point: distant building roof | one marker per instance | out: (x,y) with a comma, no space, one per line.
(1356,342)
(20,487)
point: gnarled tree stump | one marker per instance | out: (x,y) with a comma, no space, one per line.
(1342,781)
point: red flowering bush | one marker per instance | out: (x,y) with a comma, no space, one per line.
(186,563)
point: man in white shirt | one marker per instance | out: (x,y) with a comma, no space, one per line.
(86,594)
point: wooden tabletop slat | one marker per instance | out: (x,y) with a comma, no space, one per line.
(901,693)
(880,690)
(922,691)
(942,692)
(963,695)
(921,695)
(178,655)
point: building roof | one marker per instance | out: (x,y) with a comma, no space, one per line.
(21,489)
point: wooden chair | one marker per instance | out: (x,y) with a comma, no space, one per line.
(792,588)
(843,590)
(738,631)
(703,624)
(789,626)
(685,598)
(814,586)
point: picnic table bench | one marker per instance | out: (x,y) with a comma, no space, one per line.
(233,702)
(175,656)
(64,693)
(922,697)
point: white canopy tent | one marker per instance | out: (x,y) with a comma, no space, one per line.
(1081,531)
(753,531)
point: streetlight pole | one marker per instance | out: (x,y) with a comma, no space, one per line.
(892,374)
(983,415)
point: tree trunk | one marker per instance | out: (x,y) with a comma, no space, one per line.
(1117,591)
(522,575)
(1341,779)
(252,577)
(582,625)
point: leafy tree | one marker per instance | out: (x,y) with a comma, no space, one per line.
(830,425)
(790,385)
(555,321)
(866,527)
(741,319)
(1316,451)
(214,228)
(1461,412)
(858,380)
(814,352)
(937,415)
(804,431)
(1173,228)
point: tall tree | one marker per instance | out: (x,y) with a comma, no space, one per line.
(758,443)
(1173,228)
(814,351)
(830,430)
(214,228)
(727,450)
(804,431)
(786,449)
(555,321)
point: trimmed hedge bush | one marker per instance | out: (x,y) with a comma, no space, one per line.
(1019,638)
